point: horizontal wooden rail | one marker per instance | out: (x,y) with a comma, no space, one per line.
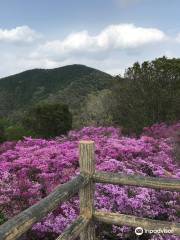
(139,181)
(132,221)
(75,229)
(15,227)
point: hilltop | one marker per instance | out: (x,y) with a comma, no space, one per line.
(69,84)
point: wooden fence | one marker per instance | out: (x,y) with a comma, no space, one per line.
(84,225)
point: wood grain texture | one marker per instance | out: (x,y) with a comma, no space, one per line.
(128,220)
(15,227)
(139,181)
(87,167)
(73,231)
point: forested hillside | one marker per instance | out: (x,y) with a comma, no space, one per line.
(69,84)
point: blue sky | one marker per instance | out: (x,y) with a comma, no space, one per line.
(106,34)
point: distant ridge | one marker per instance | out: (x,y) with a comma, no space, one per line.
(52,69)
(69,84)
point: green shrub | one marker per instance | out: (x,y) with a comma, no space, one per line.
(2,130)
(15,133)
(48,120)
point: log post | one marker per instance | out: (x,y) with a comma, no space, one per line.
(87,167)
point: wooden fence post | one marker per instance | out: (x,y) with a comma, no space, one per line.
(87,166)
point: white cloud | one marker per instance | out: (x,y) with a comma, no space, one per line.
(12,64)
(128,36)
(113,37)
(21,34)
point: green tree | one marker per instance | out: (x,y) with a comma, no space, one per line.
(17,132)
(149,93)
(96,109)
(48,120)
(2,130)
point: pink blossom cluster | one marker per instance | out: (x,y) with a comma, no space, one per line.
(162,130)
(32,168)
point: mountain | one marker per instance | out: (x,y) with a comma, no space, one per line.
(69,84)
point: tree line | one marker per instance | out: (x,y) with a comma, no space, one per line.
(148,93)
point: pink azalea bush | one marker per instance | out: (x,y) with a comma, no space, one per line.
(162,130)
(32,168)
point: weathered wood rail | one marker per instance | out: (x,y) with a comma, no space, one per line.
(84,225)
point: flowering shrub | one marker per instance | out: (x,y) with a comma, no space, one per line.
(162,130)
(30,170)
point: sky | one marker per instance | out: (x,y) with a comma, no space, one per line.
(109,35)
